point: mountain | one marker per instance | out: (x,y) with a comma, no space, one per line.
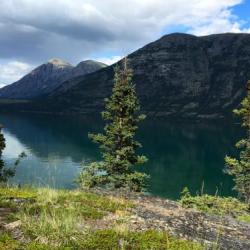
(86,67)
(47,77)
(179,76)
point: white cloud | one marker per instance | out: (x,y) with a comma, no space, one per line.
(131,19)
(220,22)
(12,71)
(108,60)
(96,26)
(35,31)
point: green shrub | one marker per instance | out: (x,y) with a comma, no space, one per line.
(215,204)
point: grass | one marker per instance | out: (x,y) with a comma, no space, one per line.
(61,219)
(8,243)
(60,216)
(8,194)
(108,240)
(244,218)
(216,205)
(15,192)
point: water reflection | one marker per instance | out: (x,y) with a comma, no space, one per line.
(179,154)
(13,146)
(188,155)
(54,150)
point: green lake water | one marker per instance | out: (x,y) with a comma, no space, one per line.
(180,154)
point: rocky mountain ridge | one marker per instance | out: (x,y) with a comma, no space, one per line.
(178,76)
(47,77)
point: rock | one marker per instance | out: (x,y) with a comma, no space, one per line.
(165,215)
(13,225)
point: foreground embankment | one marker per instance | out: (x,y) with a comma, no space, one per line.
(58,219)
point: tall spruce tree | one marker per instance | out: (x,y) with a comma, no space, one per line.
(240,168)
(5,173)
(117,143)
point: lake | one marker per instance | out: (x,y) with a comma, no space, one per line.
(180,154)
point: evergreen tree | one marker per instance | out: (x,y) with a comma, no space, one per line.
(5,173)
(117,143)
(240,168)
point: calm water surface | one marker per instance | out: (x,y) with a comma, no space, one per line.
(180,154)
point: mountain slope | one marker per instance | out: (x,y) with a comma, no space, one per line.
(86,67)
(47,77)
(179,75)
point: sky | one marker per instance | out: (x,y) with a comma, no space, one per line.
(32,32)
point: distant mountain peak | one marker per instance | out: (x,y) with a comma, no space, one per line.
(58,62)
(91,62)
(47,77)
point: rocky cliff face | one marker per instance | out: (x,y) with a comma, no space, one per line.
(179,75)
(190,76)
(46,78)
